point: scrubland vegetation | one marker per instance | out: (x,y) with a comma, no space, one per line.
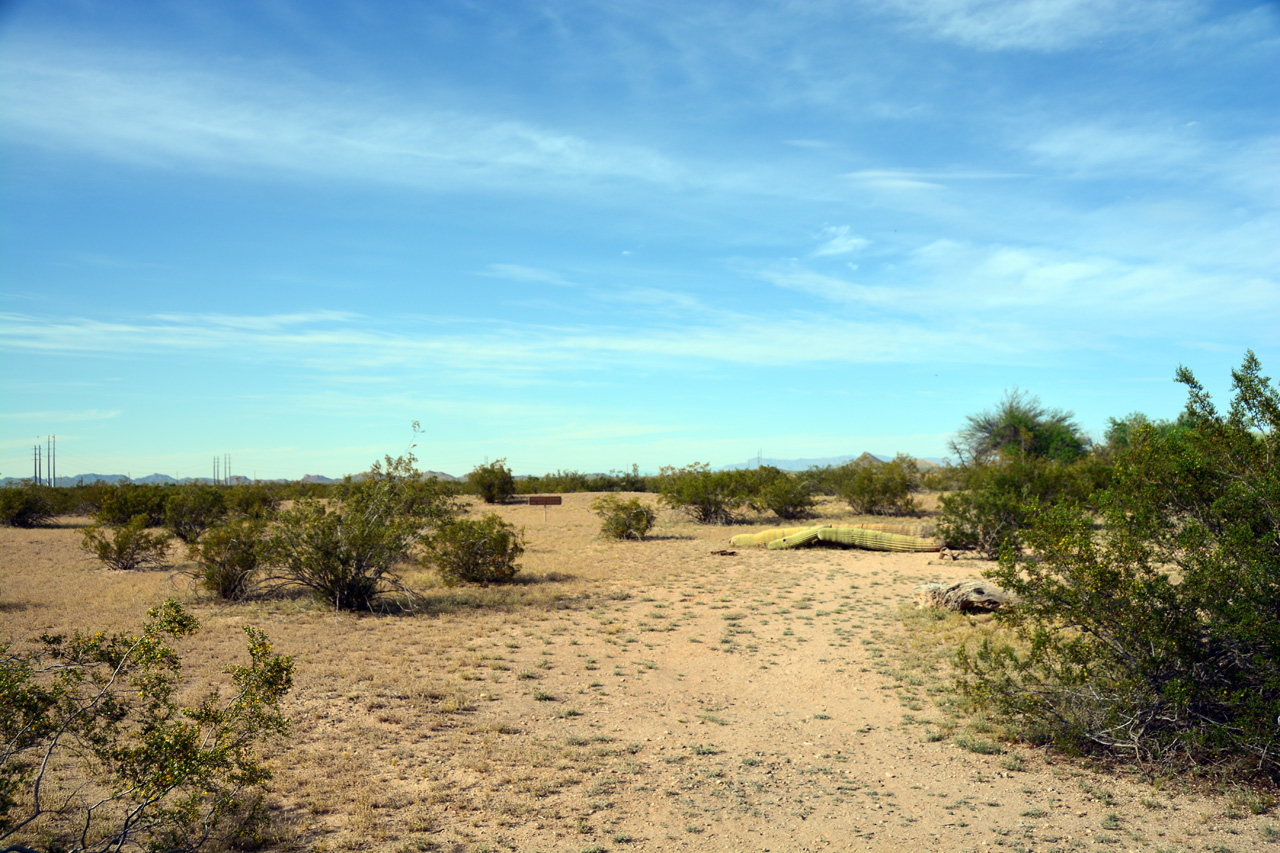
(1147,567)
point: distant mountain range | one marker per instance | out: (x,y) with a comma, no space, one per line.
(824,462)
(166,480)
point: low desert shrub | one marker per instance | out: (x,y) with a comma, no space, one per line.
(127,546)
(706,496)
(872,487)
(990,512)
(255,500)
(786,496)
(190,509)
(1158,638)
(467,550)
(120,504)
(494,482)
(345,550)
(229,557)
(25,506)
(619,519)
(97,754)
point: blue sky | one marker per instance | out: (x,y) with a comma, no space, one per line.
(589,234)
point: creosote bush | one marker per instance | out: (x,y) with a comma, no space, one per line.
(1157,639)
(97,754)
(466,550)
(629,519)
(120,504)
(345,550)
(128,546)
(229,557)
(872,487)
(494,482)
(25,506)
(773,490)
(190,509)
(706,496)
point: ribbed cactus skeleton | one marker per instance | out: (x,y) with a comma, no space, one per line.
(857,537)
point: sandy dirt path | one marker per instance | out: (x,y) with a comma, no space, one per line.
(638,696)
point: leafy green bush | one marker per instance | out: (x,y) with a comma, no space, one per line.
(1020,425)
(493,482)
(998,499)
(706,496)
(96,753)
(127,546)
(774,490)
(872,487)
(230,557)
(1157,639)
(629,519)
(190,509)
(25,506)
(255,500)
(120,504)
(345,550)
(465,550)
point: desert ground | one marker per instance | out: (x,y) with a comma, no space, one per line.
(641,696)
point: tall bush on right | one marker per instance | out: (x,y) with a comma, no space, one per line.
(1158,639)
(1015,455)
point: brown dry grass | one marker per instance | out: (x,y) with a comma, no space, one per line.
(638,696)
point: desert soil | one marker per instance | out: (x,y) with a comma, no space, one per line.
(639,696)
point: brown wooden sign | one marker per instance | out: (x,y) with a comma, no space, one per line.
(544,500)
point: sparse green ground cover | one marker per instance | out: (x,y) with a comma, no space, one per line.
(645,696)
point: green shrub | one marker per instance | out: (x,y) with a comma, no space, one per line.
(1157,639)
(254,500)
(629,519)
(190,509)
(872,487)
(493,482)
(120,504)
(999,496)
(786,496)
(230,557)
(1020,425)
(706,496)
(25,506)
(96,753)
(127,546)
(944,478)
(465,550)
(345,550)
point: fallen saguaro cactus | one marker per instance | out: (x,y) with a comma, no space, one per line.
(964,596)
(764,537)
(857,537)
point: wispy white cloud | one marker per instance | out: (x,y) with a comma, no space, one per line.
(518,272)
(61,416)
(839,240)
(1043,25)
(1153,147)
(158,111)
(829,287)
